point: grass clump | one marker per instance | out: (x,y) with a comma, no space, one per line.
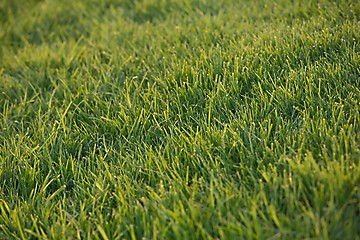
(179,119)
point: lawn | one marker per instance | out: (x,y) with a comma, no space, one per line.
(179,119)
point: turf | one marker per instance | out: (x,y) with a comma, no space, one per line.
(189,119)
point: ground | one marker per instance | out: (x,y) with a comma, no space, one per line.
(189,119)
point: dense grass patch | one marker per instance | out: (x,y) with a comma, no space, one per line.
(183,119)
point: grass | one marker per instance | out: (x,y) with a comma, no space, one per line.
(183,119)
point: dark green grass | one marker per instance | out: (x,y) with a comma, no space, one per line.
(179,119)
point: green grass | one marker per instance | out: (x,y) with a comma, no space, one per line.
(186,119)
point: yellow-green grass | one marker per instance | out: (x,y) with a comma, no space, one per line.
(185,119)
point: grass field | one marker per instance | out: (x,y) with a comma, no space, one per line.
(168,119)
